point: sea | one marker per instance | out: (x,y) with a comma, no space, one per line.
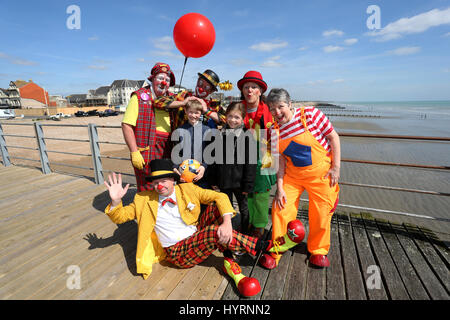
(409,118)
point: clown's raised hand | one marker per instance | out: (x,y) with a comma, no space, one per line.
(116,191)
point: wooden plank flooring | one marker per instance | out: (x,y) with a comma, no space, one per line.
(50,223)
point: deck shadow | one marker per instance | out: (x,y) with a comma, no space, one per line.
(126,236)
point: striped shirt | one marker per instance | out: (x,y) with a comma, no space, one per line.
(318,124)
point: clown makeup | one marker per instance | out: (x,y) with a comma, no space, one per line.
(160,84)
(163,186)
(251,92)
(203,88)
(281,112)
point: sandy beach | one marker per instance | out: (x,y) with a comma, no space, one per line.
(352,148)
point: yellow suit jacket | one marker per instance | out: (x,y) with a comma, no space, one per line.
(145,209)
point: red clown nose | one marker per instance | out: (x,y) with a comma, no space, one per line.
(164,83)
(159,187)
(201,90)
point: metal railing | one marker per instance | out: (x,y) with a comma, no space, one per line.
(43,151)
(97,167)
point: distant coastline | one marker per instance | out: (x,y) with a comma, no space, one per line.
(318,104)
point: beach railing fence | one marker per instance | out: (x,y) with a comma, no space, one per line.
(97,157)
(43,151)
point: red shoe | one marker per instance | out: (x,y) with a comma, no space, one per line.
(319,260)
(267,261)
(247,286)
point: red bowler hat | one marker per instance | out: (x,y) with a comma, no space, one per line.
(253,76)
(162,68)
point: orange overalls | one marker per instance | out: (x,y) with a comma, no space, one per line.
(307,163)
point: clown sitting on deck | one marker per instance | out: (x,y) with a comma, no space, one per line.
(171,226)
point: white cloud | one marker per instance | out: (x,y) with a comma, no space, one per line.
(167,54)
(163,43)
(351,41)
(17,60)
(240,62)
(302,48)
(97,67)
(416,24)
(329,49)
(316,82)
(447,34)
(403,51)
(338,80)
(329,33)
(140,60)
(269,46)
(94,38)
(272,62)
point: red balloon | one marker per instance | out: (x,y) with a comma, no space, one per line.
(194,35)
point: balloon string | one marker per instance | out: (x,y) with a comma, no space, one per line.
(182,73)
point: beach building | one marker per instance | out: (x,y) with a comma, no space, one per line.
(177,89)
(31,94)
(78,100)
(98,97)
(120,91)
(10,98)
(57,101)
(4,99)
(31,103)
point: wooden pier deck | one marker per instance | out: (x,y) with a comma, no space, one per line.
(53,229)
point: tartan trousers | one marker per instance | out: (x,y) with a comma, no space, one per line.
(198,247)
(161,149)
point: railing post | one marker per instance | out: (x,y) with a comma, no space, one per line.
(42,148)
(95,150)
(4,149)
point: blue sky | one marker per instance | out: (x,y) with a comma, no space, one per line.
(318,50)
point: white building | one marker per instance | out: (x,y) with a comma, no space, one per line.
(120,92)
(10,98)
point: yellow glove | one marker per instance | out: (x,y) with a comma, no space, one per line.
(137,160)
(267,160)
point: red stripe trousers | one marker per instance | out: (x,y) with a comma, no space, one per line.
(198,247)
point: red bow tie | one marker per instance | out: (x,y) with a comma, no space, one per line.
(167,200)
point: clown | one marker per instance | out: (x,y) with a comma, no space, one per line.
(172,227)
(258,119)
(206,85)
(309,159)
(146,130)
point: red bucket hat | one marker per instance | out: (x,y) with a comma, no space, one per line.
(162,68)
(253,76)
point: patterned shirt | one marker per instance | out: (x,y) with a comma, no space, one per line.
(318,125)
